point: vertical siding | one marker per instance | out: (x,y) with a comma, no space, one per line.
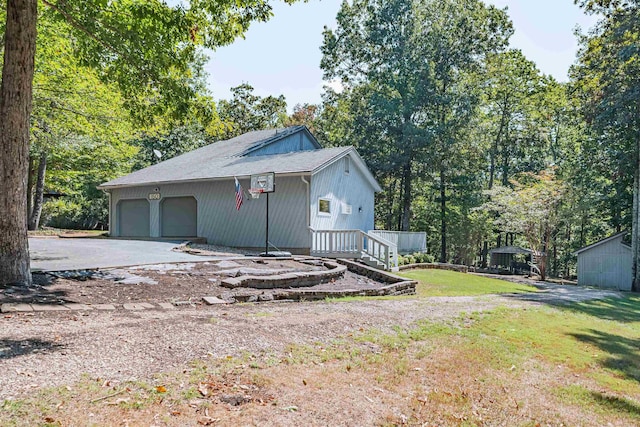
(350,189)
(155,228)
(607,265)
(296,142)
(219,221)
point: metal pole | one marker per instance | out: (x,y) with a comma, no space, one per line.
(266,242)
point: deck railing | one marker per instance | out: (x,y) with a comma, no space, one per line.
(353,244)
(406,241)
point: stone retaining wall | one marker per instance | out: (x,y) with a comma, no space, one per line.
(287,280)
(406,287)
(395,285)
(436,266)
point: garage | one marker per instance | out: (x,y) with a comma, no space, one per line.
(133,218)
(179,217)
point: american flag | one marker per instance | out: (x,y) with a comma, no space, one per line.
(238,194)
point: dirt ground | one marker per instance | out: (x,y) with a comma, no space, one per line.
(174,283)
(49,349)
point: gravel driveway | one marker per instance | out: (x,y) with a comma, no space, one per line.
(53,254)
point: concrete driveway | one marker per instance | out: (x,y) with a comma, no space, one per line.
(53,254)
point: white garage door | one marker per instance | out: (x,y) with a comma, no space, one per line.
(133,218)
(179,217)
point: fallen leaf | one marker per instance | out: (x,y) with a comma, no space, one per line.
(291,408)
(161,389)
(304,382)
(202,388)
(207,421)
(49,420)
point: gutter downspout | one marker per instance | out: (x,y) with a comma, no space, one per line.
(308,213)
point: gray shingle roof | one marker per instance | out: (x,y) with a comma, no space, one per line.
(225,159)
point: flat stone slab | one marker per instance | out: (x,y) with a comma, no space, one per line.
(166,305)
(227,264)
(13,307)
(104,306)
(213,300)
(75,306)
(138,306)
(49,307)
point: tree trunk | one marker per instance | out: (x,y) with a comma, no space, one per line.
(15,110)
(38,199)
(485,252)
(406,196)
(493,153)
(635,233)
(443,217)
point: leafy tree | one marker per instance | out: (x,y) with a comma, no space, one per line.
(61,112)
(609,77)
(246,112)
(145,46)
(512,83)
(529,209)
(305,114)
(409,63)
(179,140)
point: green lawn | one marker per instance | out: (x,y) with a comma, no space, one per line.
(450,283)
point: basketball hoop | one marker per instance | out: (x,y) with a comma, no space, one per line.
(255,192)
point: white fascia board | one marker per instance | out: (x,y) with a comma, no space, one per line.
(358,161)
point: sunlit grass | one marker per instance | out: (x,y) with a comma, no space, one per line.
(450,283)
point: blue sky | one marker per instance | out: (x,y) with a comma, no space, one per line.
(282,56)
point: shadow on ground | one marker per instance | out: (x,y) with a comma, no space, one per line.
(623,353)
(15,348)
(617,404)
(625,309)
(39,292)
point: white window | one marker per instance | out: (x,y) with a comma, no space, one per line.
(324,207)
(347,165)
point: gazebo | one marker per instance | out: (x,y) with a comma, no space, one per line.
(509,257)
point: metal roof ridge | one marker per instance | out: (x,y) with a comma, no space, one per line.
(600,242)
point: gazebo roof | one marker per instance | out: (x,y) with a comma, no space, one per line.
(510,250)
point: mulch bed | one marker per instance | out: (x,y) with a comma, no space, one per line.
(176,283)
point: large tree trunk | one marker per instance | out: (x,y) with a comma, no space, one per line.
(635,233)
(406,196)
(443,216)
(38,199)
(15,110)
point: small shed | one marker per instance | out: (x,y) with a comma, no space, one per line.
(606,263)
(513,258)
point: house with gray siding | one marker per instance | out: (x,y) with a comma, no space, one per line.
(606,264)
(193,195)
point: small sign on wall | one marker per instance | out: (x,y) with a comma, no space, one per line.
(346,209)
(154,196)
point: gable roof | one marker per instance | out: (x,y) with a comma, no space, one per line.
(600,242)
(227,159)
